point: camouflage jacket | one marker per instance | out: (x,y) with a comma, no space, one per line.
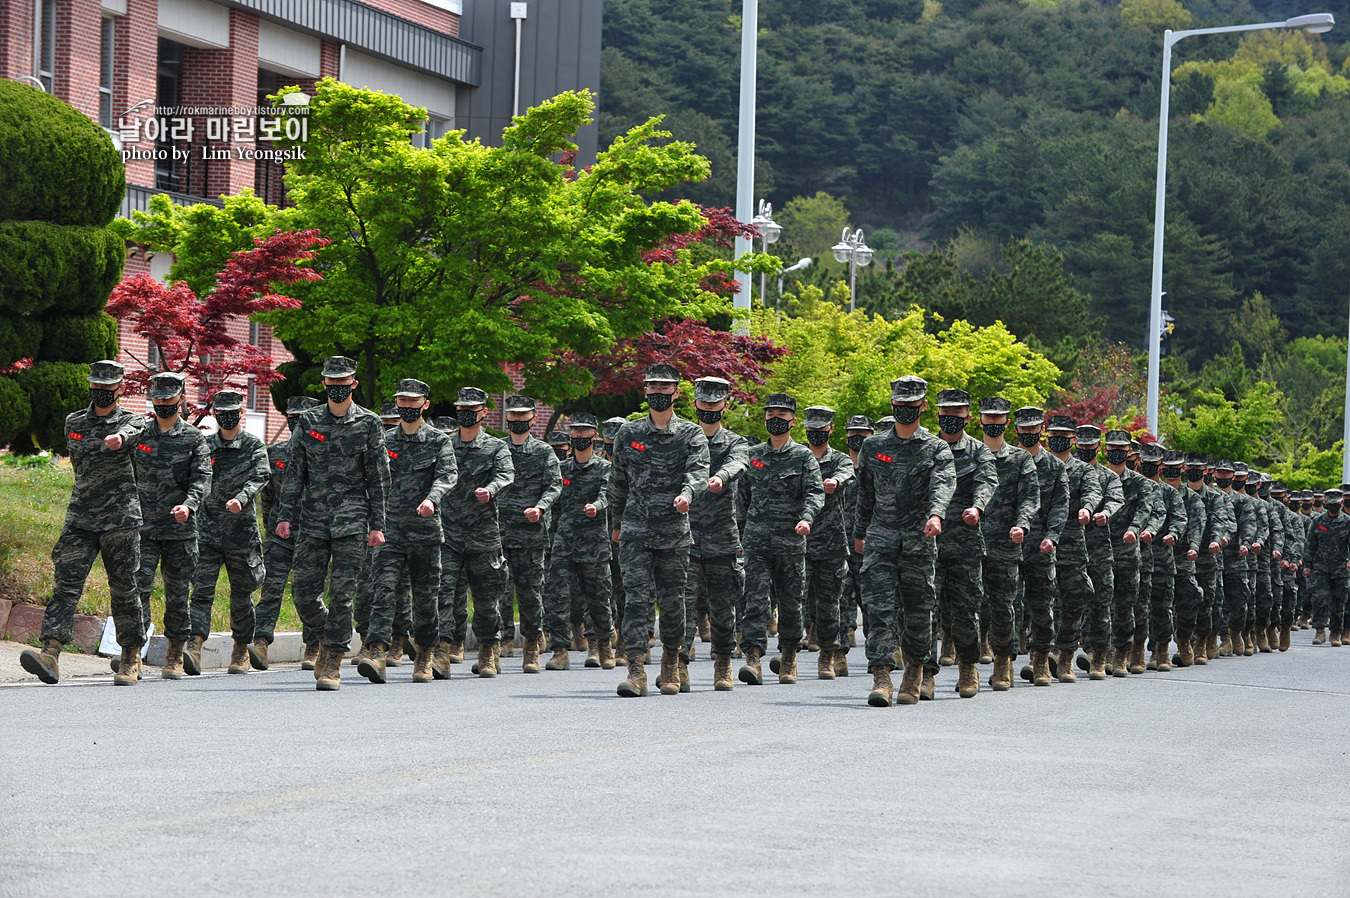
(337,480)
(421,466)
(1328,545)
(651,467)
(1113,497)
(829,537)
(1015,502)
(484,463)
(1277,540)
(1245,528)
(172,469)
(976,483)
(1136,509)
(536,485)
(1196,524)
(851,506)
(712,516)
(581,538)
(238,471)
(1085,492)
(901,484)
(1294,534)
(1053,484)
(1262,516)
(1219,521)
(105,495)
(1173,524)
(785,488)
(278,457)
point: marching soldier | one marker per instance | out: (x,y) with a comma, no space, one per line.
(827,545)
(609,432)
(1173,530)
(1126,525)
(1038,548)
(1101,554)
(1071,553)
(858,429)
(1235,554)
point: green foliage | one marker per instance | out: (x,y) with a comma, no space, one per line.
(79,338)
(1217,426)
(15,410)
(1242,106)
(55,389)
(20,338)
(45,266)
(813,223)
(1155,13)
(55,164)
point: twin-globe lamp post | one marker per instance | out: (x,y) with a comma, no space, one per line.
(852,251)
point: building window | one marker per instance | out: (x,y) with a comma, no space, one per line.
(253,333)
(45,44)
(153,361)
(432,128)
(105,77)
(168,90)
(252,395)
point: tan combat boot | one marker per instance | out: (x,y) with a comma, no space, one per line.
(393,656)
(372,667)
(506,647)
(454,652)
(1201,649)
(422,665)
(722,679)
(1066,674)
(685,685)
(880,696)
(1040,669)
(986,652)
(238,659)
(1121,662)
(750,672)
(948,657)
(968,683)
(173,661)
(1284,639)
(669,678)
(1212,647)
(927,688)
(560,660)
(1097,671)
(1185,653)
(825,665)
(440,660)
(361,655)
(704,628)
(192,656)
(787,667)
(129,671)
(606,655)
(578,638)
(841,663)
(529,656)
(773,623)
(636,684)
(812,644)
(1137,665)
(908,693)
(486,658)
(328,675)
(257,654)
(1320,638)
(1263,640)
(311,658)
(1335,639)
(593,653)
(1002,679)
(1162,658)
(1273,637)
(43,663)
(1249,644)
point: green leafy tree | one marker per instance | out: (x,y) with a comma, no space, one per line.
(1241,431)
(813,223)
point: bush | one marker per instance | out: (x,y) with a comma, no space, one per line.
(15,410)
(56,164)
(20,338)
(55,389)
(79,338)
(45,266)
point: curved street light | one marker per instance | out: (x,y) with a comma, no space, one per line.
(853,251)
(769,232)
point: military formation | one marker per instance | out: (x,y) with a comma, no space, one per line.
(621,537)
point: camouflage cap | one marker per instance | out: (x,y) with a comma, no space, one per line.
(584,419)
(711,389)
(1117,438)
(948,398)
(1333,496)
(819,417)
(297,404)
(227,401)
(519,403)
(1240,469)
(1267,478)
(558,438)
(662,374)
(388,410)
(995,405)
(1223,464)
(1151,452)
(1196,460)
(339,366)
(1318,491)
(166,385)
(445,424)
(1061,422)
(612,426)
(860,422)
(780,400)
(909,388)
(886,422)
(1029,416)
(1345,487)
(1278,488)
(1174,458)
(106,372)
(1088,435)
(470,396)
(411,388)
(1135,446)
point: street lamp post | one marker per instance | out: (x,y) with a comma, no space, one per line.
(745,145)
(854,251)
(769,232)
(1317,23)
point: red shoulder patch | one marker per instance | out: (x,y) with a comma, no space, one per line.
(76,436)
(881,456)
(318,436)
(641,447)
(757,463)
(280,464)
(145,448)
(566,482)
(392,453)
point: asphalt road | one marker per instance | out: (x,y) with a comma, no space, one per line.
(1224,780)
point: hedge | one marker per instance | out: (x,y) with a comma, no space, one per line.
(15,410)
(20,338)
(79,338)
(56,165)
(49,267)
(55,389)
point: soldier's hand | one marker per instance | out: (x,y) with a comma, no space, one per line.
(681,504)
(831,485)
(180,513)
(714,484)
(933,527)
(284,529)
(803,528)
(1169,540)
(1129,538)
(1256,548)
(482,494)
(234,506)
(1100,518)
(614,535)
(376,539)
(113,442)
(1277,555)
(1146,537)
(858,546)
(1017,534)
(1307,571)
(1047,546)
(1191,554)
(1215,548)
(533,515)
(1084,515)
(426,509)
(591,511)
(971,516)
(1243,551)
(1224,541)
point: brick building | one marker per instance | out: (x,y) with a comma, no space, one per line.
(123,62)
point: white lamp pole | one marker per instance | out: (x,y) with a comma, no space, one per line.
(745,147)
(1318,23)
(769,232)
(852,249)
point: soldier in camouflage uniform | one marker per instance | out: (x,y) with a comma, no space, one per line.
(1186,549)
(1294,534)
(907,479)
(1270,588)
(473,545)
(1245,625)
(1071,553)
(279,553)
(959,579)
(660,464)
(523,515)
(1157,504)
(827,546)
(228,534)
(173,475)
(365,581)
(421,471)
(579,562)
(786,497)
(1004,526)
(1157,626)
(1327,551)
(1220,527)
(1038,548)
(1235,556)
(858,429)
(716,575)
(1101,556)
(1196,555)
(1125,525)
(103,517)
(610,430)
(335,490)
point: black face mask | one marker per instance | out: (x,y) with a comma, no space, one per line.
(561,452)
(609,448)
(1250,488)
(1317,504)
(1171,473)
(226,420)
(1209,478)
(906,414)
(580,444)
(466,418)
(1195,475)
(1333,510)
(410,415)
(855,442)
(708,417)
(1223,483)
(102,398)
(1131,463)
(292,422)
(1028,439)
(659,402)
(1086,454)
(993,430)
(1307,506)
(1059,444)
(1149,469)
(338,393)
(952,423)
(1117,456)
(168,411)
(519,427)
(817,437)
(777,426)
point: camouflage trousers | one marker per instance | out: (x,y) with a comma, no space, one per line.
(524,584)
(313,557)
(1161,598)
(654,580)
(1096,628)
(848,616)
(1327,592)
(177,560)
(958,582)
(1188,599)
(365,589)
(1125,571)
(1209,577)
(1144,595)
(1264,607)
(406,577)
(1041,590)
(900,594)
(569,577)
(73,557)
(785,575)
(244,566)
(1235,595)
(717,584)
(1002,579)
(1290,599)
(825,582)
(402,600)
(278,556)
(486,576)
(1076,596)
(1304,604)
(616,592)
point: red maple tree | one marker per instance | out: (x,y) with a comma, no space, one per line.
(189,331)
